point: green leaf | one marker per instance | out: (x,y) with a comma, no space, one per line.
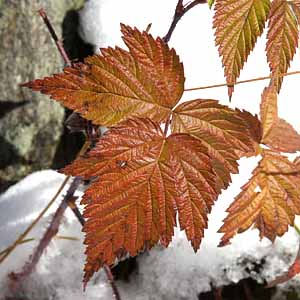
(210,3)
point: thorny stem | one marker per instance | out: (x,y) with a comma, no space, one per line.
(179,13)
(54,225)
(218,293)
(111,280)
(242,81)
(247,291)
(58,43)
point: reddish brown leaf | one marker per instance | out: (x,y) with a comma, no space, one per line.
(277,133)
(161,64)
(269,201)
(282,39)
(268,110)
(283,137)
(220,129)
(238,24)
(141,179)
(254,129)
(116,85)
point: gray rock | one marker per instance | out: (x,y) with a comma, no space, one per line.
(30,123)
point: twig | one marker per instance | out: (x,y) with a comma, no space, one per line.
(58,43)
(51,231)
(30,227)
(293,270)
(77,213)
(59,237)
(179,13)
(22,242)
(111,280)
(53,227)
(242,81)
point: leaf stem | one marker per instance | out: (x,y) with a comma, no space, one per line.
(242,81)
(180,11)
(168,122)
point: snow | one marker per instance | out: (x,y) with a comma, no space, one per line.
(59,273)
(176,272)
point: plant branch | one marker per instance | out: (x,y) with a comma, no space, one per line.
(58,43)
(50,233)
(242,81)
(30,227)
(180,11)
(54,225)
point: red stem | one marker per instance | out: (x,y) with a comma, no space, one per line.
(180,11)
(58,43)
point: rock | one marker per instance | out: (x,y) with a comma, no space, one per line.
(30,124)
